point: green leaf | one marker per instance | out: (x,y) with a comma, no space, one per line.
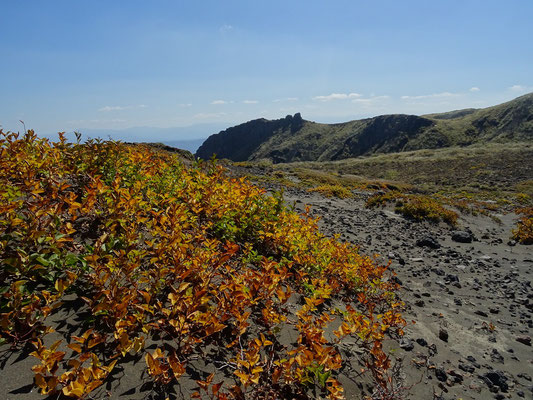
(42,261)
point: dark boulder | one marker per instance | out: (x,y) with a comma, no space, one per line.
(461,237)
(428,241)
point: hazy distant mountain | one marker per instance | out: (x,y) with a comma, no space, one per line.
(187,138)
(294,139)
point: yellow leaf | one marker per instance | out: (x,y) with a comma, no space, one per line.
(74,389)
(242,376)
(60,286)
(39,381)
(138,344)
(93,385)
(74,346)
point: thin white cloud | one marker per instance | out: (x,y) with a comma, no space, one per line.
(474,89)
(209,115)
(250,101)
(226,28)
(431,96)
(120,108)
(111,108)
(337,96)
(520,88)
(218,102)
(185,105)
(372,99)
(285,99)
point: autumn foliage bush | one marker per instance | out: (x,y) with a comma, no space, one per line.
(414,206)
(524,227)
(338,191)
(187,260)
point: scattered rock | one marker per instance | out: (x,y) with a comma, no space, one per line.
(525,376)
(428,241)
(495,356)
(461,237)
(496,378)
(443,334)
(524,340)
(473,361)
(440,374)
(407,344)
(466,367)
(457,377)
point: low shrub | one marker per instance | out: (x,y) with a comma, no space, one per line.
(338,191)
(524,227)
(422,208)
(414,206)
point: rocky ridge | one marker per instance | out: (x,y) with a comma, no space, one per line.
(293,139)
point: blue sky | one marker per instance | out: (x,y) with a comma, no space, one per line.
(70,65)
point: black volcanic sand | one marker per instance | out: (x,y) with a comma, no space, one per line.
(472,303)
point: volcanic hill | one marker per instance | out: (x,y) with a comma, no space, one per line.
(294,139)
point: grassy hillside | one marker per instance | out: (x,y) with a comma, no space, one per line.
(489,178)
(178,275)
(492,171)
(280,141)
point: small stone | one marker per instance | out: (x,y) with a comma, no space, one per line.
(525,376)
(406,344)
(496,356)
(524,340)
(461,237)
(420,303)
(428,241)
(422,342)
(473,361)
(443,334)
(457,377)
(441,374)
(466,367)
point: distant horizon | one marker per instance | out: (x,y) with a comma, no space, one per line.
(223,125)
(114,65)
